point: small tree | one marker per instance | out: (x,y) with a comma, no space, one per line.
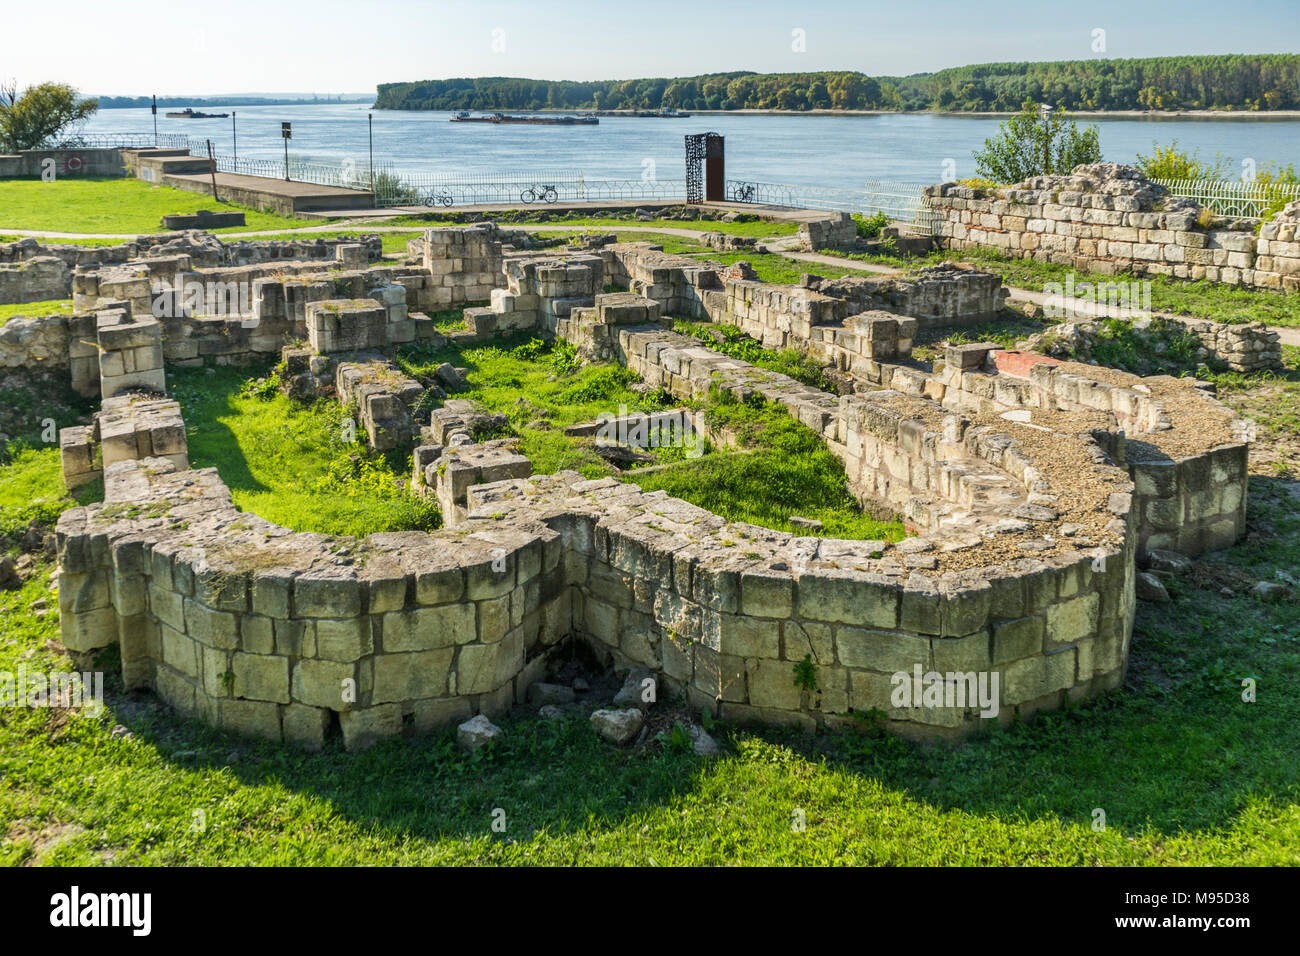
(1030,144)
(38,115)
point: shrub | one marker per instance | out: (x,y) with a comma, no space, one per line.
(1032,145)
(1170,162)
(869,228)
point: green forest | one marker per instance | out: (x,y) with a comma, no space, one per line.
(1232,82)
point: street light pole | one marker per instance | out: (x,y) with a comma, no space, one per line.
(370,122)
(1047,139)
(234,135)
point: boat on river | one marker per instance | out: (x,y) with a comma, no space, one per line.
(188,113)
(463,116)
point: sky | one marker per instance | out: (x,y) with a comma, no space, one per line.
(196,47)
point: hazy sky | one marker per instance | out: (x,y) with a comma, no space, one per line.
(188,47)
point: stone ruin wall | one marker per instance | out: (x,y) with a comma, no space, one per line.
(257,629)
(1110,219)
(1187,499)
(33,272)
(1248,347)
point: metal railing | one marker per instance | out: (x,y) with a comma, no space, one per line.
(125,141)
(1232,197)
(535,187)
(904,203)
(393,187)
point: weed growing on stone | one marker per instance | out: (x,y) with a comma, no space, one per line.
(730,340)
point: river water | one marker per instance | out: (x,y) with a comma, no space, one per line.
(814,150)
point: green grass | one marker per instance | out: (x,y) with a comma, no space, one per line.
(292,465)
(529,383)
(48,307)
(31,489)
(788,469)
(83,242)
(789,472)
(677,245)
(729,340)
(782,270)
(112,206)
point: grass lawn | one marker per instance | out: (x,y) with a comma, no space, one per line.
(729,340)
(678,245)
(293,465)
(48,307)
(789,471)
(112,206)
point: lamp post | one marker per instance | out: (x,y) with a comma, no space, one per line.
(234,136)
(286,131)
(1046,111)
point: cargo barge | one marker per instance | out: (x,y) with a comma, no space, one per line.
(464,117)
(188,113)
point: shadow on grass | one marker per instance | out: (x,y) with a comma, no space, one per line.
(1175,750)
(206,397)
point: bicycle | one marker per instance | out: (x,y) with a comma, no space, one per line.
(437,198)
(742,193)
(539,194)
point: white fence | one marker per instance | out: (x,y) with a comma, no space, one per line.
(1232,197)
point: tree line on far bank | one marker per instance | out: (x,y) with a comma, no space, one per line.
(1231,82)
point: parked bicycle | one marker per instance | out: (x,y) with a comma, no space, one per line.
(742,192)
(539,194)
(438,198)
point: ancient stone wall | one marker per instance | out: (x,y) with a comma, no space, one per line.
(34,280)
(1029,485)
(1110,219)
(1249,347)
(1186,452)
(835,231)
(464,265)
(34,342)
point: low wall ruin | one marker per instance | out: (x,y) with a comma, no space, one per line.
(1111,219)
(1019,483)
